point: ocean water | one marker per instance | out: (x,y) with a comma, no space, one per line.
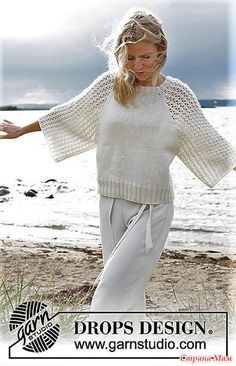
(204,218)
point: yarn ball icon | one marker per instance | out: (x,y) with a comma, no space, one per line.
(34,327)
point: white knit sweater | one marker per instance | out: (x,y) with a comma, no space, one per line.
(136,144)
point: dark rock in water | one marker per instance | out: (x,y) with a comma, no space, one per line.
(4,199)
(4,191)
(31,193)
(62,188)
(51,196)
(50,180)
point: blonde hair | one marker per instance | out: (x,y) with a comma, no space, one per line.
(138,25)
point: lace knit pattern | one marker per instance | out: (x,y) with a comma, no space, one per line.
(201,148)
(72,128)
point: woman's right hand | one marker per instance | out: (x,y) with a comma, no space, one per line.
(11,130)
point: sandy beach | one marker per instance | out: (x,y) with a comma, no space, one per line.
(183,280)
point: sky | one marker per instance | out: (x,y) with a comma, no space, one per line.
(48,52)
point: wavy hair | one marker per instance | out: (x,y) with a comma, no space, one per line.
(137,25)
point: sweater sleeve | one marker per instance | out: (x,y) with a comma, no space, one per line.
(71,128)
(201,148)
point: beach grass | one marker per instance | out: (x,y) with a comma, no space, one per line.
(204,303)
(23,290)
(66,283)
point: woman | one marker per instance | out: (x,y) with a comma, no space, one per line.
(139,120)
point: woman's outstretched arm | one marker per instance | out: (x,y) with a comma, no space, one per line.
(13,131)
(71,127)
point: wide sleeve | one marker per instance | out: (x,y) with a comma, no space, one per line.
(201,148)
(71,128)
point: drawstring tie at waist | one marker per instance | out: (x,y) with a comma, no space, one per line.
(148,235)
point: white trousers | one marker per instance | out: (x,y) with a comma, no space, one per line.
(133,237)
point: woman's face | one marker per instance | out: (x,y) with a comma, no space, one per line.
(142,60)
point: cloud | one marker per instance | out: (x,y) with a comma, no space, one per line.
(39,95)
(64,61)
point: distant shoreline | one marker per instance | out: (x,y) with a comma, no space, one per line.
(205,103)
(27,107)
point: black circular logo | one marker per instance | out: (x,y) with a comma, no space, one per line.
(34,326)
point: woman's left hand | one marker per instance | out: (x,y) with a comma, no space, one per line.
(10,129)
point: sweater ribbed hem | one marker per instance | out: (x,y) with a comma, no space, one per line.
(136,192)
